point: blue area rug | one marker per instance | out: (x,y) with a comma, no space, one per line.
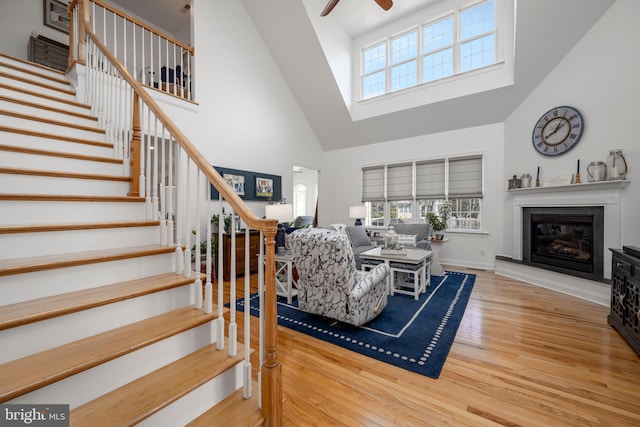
(414,335)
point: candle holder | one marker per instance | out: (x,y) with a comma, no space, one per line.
(577,181)
(537,182)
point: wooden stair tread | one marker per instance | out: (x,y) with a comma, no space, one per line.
(52,121)
(37,83)
(39,263)
(31,64)
(59,174)
(47,107)
(41,369)
(231,410)
(69,198)
(43,96)
(56,137)
(137,400)
(50,153)
(26,312)
(38,228)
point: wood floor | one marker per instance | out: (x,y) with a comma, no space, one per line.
(523,356)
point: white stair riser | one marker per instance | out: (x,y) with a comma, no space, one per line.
(47,113)
(37,99)
(23,245)
(34,184)
(41,284)
(60,164)
(18,74)
(43,212)
(35,337)
(40,89)
(32,67)
(56,129)
(88,385)
(200,400)
(43,143)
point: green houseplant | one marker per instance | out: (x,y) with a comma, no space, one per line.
(440,220)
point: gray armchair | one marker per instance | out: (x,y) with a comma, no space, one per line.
(329,283)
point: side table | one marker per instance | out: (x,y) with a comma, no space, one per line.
(284,277)
(436,245)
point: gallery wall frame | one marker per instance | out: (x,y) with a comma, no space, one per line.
(56,15)
(250,185)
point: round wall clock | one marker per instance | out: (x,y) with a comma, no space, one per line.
(558,131)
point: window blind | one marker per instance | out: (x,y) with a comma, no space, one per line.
(400,181)
(373,184)
(465,177)
(430,179)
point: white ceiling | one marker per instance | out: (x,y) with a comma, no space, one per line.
(543,39)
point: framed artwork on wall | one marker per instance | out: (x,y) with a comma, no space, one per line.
(236,182)
(250,185)
(56,15)
(264,188)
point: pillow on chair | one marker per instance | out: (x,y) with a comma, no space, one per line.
(358,236)
(407,239)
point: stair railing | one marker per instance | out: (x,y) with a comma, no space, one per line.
(154,58)
(172,176)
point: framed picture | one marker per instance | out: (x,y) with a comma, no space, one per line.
(236,182)
(264,188)
(56,15)
(250,185)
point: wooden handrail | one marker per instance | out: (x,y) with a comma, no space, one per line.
(228,194)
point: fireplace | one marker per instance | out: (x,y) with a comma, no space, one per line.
(568,240)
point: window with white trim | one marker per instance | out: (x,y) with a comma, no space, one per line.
(460,42)
(405,192)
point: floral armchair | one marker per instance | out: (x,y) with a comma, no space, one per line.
(329,283)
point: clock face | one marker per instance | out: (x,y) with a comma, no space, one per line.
(557,131)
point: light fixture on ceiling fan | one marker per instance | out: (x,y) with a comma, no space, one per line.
(385,4)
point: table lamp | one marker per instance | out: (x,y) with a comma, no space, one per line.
(357,212)
(283,213)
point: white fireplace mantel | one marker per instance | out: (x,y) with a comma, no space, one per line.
(607,194)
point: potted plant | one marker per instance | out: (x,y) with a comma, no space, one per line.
(215,220)
(203,253)
(439,221)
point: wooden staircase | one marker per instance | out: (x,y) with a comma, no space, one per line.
(92,313)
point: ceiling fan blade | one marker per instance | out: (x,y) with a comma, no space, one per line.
(385,4)
(329,7)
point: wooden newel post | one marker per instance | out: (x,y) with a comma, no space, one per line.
(135,149)
(271,370)
(77,41)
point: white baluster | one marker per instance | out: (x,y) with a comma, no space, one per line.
(220,318)
(233,328)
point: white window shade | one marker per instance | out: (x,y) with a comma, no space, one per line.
(430,179)
(400,181)
(373,184)
(465,177)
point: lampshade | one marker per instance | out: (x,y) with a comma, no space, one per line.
(282,212)
(356,212)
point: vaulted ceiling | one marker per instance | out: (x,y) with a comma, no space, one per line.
(545,31)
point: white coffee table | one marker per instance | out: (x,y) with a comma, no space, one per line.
(415,261)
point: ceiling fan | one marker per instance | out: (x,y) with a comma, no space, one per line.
(385,4)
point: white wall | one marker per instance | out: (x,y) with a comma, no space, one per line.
(341,184)
(17,20)
(247,116)
(600,78)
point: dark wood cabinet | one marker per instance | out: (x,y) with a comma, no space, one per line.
(254,249)
(625,295)
(48,52)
